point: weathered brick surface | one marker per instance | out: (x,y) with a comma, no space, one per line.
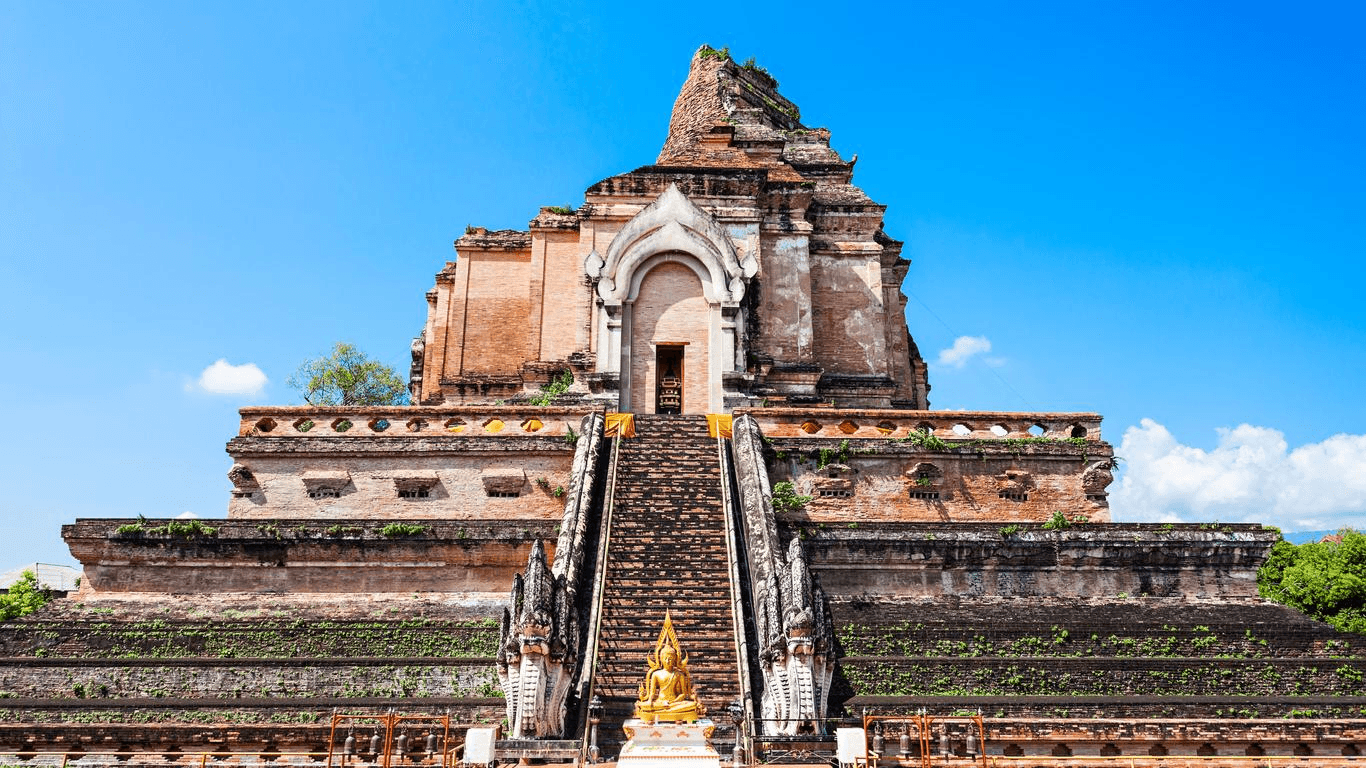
(671,310)
(371,489)
(235,678)
(305,556)
(909,561)
(868,466)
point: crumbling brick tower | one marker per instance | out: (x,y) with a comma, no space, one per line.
(744,266)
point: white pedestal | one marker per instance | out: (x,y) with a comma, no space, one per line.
(668,745)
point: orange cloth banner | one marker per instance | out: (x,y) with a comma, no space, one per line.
(718,425)
(620,425)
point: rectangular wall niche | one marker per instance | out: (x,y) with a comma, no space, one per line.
(414,487)
(326,485)
(503,483)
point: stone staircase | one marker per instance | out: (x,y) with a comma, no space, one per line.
(667,552)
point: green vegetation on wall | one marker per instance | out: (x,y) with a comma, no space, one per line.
(550,392)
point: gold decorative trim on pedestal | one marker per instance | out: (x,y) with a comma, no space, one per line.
(667,693)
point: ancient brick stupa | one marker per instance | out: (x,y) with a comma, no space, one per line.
(693,395)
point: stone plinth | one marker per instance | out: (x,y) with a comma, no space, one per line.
(668,745)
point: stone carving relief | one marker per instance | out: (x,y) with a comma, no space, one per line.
(242,478)
(539,639)
(796,650)
(539,634)
(672,223)
(419,351)
(244,483)
(795,636)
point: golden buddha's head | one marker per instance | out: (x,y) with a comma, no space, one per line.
(668,658)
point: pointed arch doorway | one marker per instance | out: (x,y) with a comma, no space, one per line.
(653,254)
(670,331)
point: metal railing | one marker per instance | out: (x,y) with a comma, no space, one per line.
(388,747)
(384,747)
(923,723)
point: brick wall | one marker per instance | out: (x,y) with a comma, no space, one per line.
(498,318)
(670,309)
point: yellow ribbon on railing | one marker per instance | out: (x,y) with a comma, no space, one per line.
(718,425)
(620,425)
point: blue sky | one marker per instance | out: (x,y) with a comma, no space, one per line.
(1154,211)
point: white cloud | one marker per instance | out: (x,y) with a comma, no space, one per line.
(186,515)
(1250,476)
(964,347)
(224,378)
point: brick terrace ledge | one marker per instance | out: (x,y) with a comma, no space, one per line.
(966,425)
(409,420)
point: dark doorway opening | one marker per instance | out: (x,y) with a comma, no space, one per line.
(669,378)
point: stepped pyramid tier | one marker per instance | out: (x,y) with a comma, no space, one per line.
(507,548)
(744,261)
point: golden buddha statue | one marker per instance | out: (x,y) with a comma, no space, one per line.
(667,694)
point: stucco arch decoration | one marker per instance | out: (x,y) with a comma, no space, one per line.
(672,223)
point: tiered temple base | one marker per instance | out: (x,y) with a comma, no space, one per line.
(668,745)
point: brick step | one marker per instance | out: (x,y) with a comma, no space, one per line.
(650,606)
(689,641)
(693,607)
(662,529)
(685,550)
(636,671)
(682,475)
(678,514)
(631,589)
(631,559)
(641,549)
(632,664)
(627,627)
(632,570)
(668,529)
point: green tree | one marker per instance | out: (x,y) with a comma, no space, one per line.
(24,597)
(1326,580)
(348,377)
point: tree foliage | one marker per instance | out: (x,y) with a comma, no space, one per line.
(1326,580)
(24,597)
(348,377)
